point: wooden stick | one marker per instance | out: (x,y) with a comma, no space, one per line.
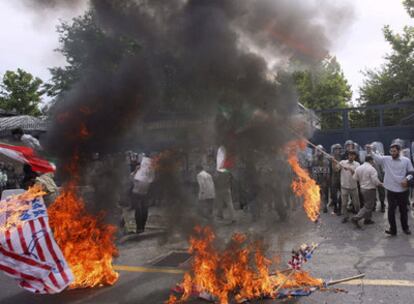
(360,276)
(284,282)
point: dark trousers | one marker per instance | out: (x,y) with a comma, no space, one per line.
(400,200)
(324,192)
(139,204)
(336,196)
(365,212)
(381,194)
(361,197)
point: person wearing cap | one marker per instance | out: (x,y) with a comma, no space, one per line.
(349,186)
(396,168)
(367,176)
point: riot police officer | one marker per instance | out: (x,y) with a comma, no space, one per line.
(336,151)
(320,171)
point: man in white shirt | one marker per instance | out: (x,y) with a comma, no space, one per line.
(349,186)
(396,168)
(27,139)
(206,192)
(367,177)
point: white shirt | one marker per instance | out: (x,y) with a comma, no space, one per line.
(30,141)
(367,176)
(206,186)
(395,171)
(347,180)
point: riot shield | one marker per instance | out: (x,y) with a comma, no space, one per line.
(378,147)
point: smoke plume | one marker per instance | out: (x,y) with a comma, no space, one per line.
(198,60)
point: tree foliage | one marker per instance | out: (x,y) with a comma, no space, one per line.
(22,92)
(393,81)
(86,46)
(324,86)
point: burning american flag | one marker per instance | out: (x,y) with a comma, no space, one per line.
(28,251)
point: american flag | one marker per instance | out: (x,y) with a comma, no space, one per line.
(28,250)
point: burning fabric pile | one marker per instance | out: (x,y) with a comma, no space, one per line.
(241,272)
(76,253)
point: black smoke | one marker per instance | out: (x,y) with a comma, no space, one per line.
(207,59)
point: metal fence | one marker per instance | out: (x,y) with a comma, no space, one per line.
(366,124)
(399,114)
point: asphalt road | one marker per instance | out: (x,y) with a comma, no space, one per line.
(344,251)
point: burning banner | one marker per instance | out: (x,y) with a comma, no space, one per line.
(28,250)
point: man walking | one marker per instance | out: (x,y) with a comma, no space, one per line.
(396,168)
(206,192)
(349,186)
(367,176)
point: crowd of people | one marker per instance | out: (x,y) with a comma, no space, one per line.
(353,182)
(352,185)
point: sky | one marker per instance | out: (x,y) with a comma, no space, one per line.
(28,40)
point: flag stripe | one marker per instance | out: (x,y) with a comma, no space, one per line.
(8,240)
(42,255)
(24,259)
(22,275)
(53,253)
(22,240)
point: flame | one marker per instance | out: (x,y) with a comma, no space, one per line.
(86,242)
(303,185)
(241,271)
(13,206)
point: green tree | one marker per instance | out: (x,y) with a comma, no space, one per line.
(393,81)
(323,87)
(84,44)
(21,91)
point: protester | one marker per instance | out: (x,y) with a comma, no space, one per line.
(223,194)
(206,192)
(320,170)
(369,149)
(139,199)
(349,186)
(396,168)
(367,176)
(336,151)
(27,139)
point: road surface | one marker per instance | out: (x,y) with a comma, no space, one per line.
(344,251)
